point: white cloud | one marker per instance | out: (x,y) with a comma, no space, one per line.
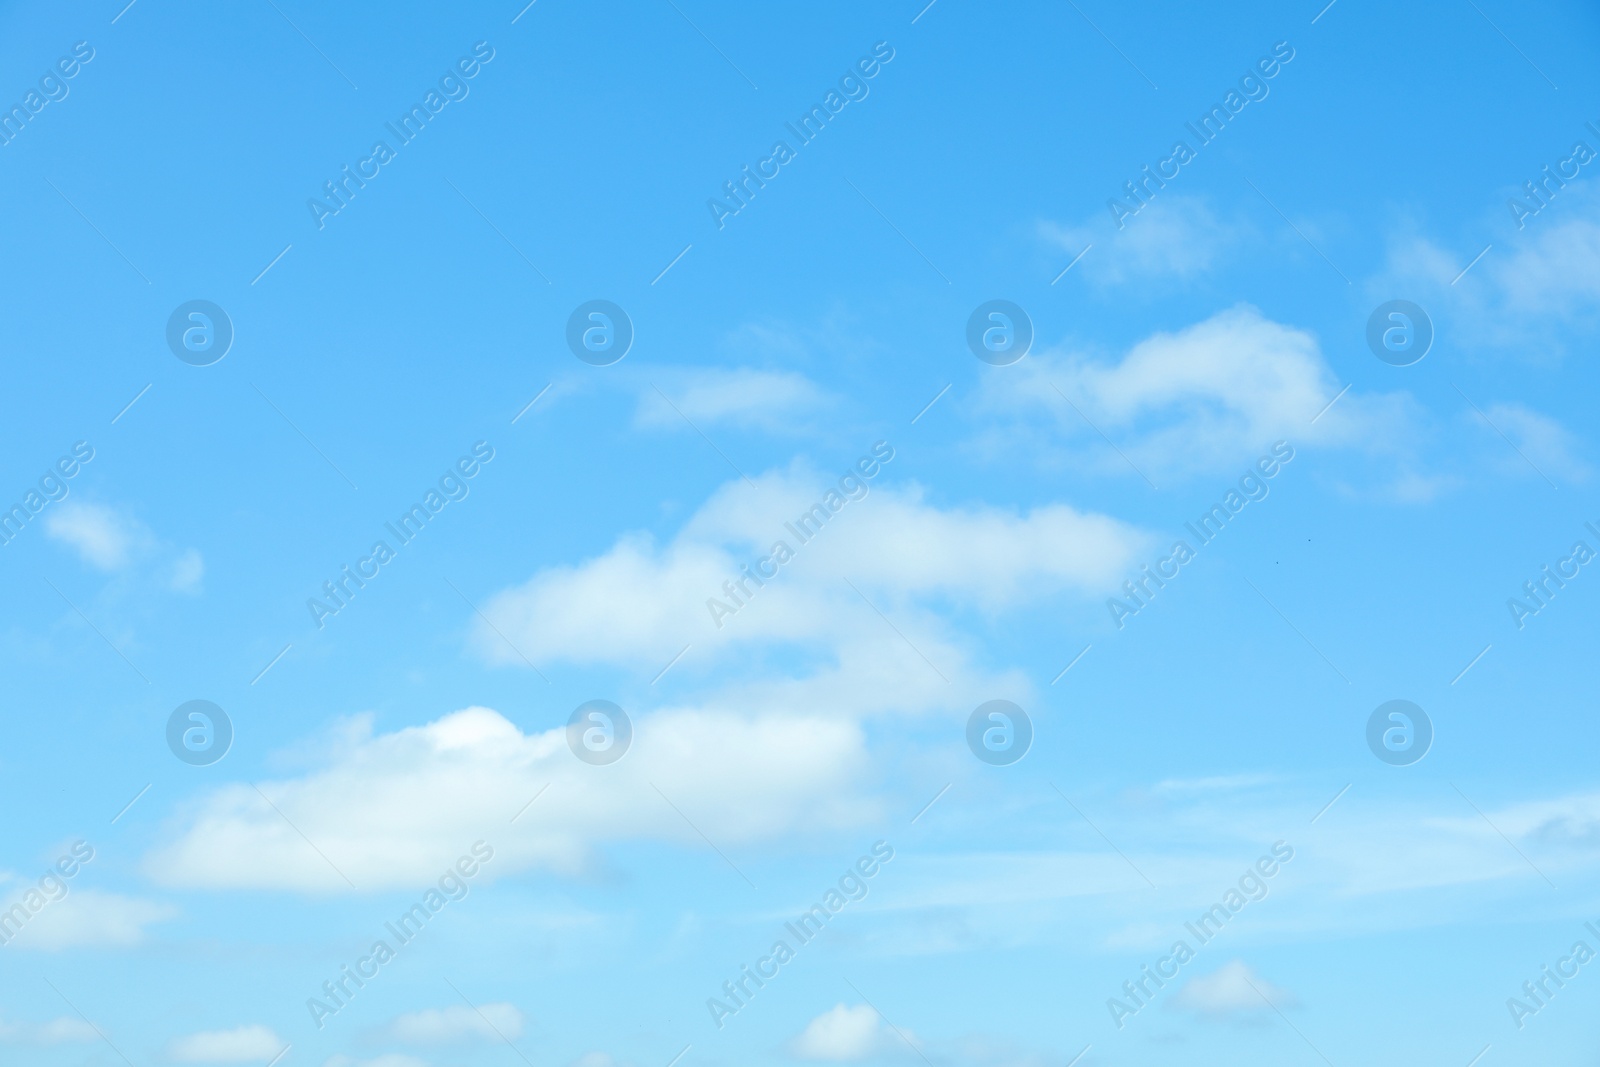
(1541,441)
(100,535)
(1378,863)
(1244,367)
(111,540)
(1533,294)
(91,918)
(639,603)
(63,1030)
(839,1034)
(60,1031)
(1208,397)
(243,1044)
(1235,989)
(1572,821)
(395,811)
(1175,236)
(1557,272)
(765,755)
(439,1025)
(187,571)
(768,400)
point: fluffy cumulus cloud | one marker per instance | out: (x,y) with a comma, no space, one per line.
(397,809)
(839,1035)
(1205,397)
(1233,990)
(775,401)
(243,1044)
(1235,379)
(445,1025)
(640,602)
(767,749)
(102,537)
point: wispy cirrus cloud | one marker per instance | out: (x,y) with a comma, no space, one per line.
(1537,441)
(1532,296)
(113,541)
(773,401)
(60,1031)
(1178,237)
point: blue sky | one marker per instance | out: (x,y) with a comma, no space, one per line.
(412,749)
